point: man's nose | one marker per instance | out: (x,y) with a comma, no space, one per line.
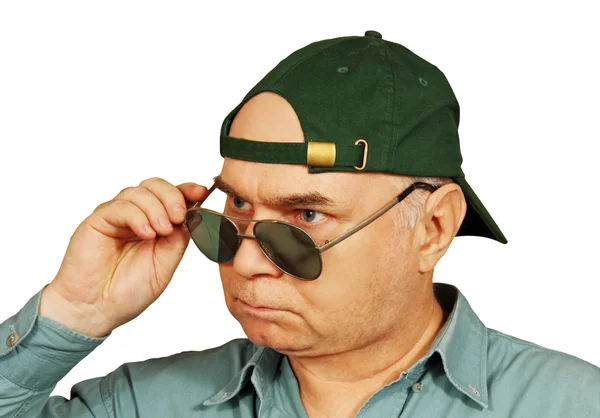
(250,261)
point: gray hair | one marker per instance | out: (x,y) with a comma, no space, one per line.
(410,209)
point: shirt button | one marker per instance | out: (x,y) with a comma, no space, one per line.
(417,387)
(12,339)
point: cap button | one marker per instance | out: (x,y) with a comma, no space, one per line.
(373,34)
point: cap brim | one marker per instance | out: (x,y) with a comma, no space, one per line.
(478,220)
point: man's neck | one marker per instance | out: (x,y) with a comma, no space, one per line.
(345,381)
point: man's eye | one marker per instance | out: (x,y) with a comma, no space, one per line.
(238,203)
(309,215)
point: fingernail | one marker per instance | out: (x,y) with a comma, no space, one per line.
(164,222)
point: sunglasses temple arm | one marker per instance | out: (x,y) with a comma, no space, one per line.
(398,199)
(199,203)
(359,226)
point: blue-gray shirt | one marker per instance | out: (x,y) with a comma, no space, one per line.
(469,371)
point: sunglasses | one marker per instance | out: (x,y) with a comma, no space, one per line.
(288,246)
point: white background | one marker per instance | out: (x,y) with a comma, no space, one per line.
(97,96)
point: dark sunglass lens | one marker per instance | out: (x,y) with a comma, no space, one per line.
(290,248)
(213,234)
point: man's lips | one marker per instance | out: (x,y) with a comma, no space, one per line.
(259,307)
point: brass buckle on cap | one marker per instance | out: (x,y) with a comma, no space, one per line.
(365,153)
(320,154)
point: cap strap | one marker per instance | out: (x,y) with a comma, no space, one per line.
(325,154)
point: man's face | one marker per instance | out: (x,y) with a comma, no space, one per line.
(367,279)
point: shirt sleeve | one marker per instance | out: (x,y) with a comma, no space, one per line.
(36,352)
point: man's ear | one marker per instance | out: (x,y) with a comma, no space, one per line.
(444,212)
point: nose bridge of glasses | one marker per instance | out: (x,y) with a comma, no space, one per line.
(246,236)
(242,225)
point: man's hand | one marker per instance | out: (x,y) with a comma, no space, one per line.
(121,258)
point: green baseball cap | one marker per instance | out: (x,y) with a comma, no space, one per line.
(366,105)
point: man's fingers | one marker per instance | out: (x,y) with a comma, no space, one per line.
(155,203)
(152,207)
(170,197)
(123,214)
(192,192)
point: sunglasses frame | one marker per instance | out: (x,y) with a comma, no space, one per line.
(320,248)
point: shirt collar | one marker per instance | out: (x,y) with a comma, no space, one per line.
(260,370)
(461,344)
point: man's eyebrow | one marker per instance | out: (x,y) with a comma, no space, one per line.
(313,198)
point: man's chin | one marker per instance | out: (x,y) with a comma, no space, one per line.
(270,334)
(281,331)
(264,333)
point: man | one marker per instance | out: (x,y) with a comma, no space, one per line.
(342,171)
